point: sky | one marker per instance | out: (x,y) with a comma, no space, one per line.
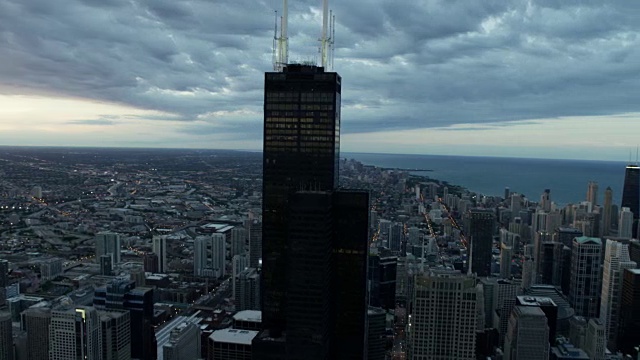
(545,78)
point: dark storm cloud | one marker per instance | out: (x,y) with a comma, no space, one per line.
(405,64)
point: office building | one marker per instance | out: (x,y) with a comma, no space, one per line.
(159,244)
(255,244)
(506,293)
(586,276)
(247,290)
(106,265)
(209,255)
(184,343)
(382,280)
(231,344)
(151,263)
(124,295)
(238,241)
(376,341)
(506,255)
(74,333)
(115,328)
(108,243)
(247,320)
(626,223)
(527,335)
(301,151)
(566,235)
(445,316)
(616,259)
(481,226)
(634,251)
(35,321)
(565,350)
(6,336)
(4,273)
(607,218)
(550,264)
(592,193)
(396,237)
(548,307)
(631,193)
(595,340)
(629,327)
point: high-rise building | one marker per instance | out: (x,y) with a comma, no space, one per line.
(36,321)
(548,307)
(123,294)
(566,235)
(115,327)
(606,212)
(382,280)
(595,340)
(160,249)
(231,344)
(592,193)
(616,259)
(238,239)
(634,251)
(184,343)
(247,290)
(238,264)
(586,276)
(631,193)
(481,226)
(6,336)
(106,267)
(396,236)
(545,200)
(506,293)
(4,273)
(108,243)
(625,224)
(527,335)
(301,151)
(74,333)
(151,262)
(506,255)
(209,255)
(629,327)
(376,341)
(550,264)
(444,320)
(255,244)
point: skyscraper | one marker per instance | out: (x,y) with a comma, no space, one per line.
(481,226)
(209,254)
(6,336)
(586,275)
(184,343)
(108,243)
(625,225)
(592,193)
(616,259)
(255,244)
(595,340)
(631,193)
(115,327)
(606,212)
(160,249)
(74,333)
(123,294)
(36,321)
(527,335)
(444,320)
(629,327)
(301,151)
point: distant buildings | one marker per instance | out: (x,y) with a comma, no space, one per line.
(108,243)
(481,226)
(159,244)
(209,255)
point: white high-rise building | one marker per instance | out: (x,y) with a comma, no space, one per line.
(209,255)
(586,276)
(238,264)
(74,333)
(108,243)
(625,223)
(592,193)
(445,316)
(238,241)
(616,259)
(160,249)
(527,335)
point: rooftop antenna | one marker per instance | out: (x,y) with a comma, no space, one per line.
(325,39)
(281,43)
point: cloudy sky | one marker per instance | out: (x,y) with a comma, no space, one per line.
(542,78)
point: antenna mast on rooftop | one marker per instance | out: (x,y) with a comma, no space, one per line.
(281,43)
(326,40)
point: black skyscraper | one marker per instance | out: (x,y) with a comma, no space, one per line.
(631,194)
(629,326)
(301,152)
(481,226)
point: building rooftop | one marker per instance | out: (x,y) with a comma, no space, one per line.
(233,336)
(536,301)
(634,271)
(248,315)
(587,240)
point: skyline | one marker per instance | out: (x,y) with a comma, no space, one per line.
(493,78)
